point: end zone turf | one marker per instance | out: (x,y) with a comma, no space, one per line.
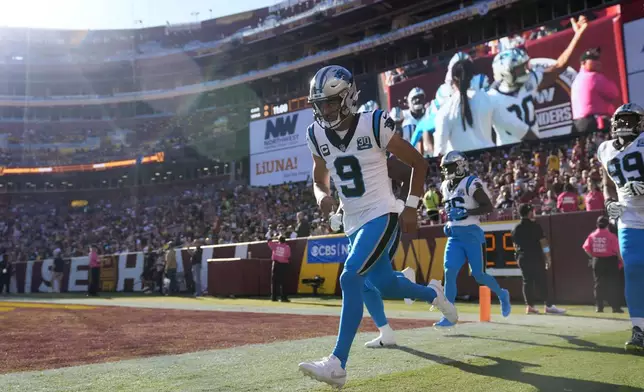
(522,353)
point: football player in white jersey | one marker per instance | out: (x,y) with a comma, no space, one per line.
(464,121)
(623,162)
(465,200)
(515,83)
(416,101)
(351,148)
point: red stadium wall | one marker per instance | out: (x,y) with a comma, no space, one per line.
(604,32)
(570,278)
(245,269)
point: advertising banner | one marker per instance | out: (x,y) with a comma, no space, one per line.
(278,150)
(634,52)
(328,250)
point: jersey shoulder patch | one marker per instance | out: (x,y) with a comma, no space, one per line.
(310,134)
(473,181)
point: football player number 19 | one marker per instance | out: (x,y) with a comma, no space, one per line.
(630,163)
(525,112)
(348,169)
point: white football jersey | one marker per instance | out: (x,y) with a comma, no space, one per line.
(622,166)
(463,197)
(450,135)
(357,162)
(409,123)
(519,103)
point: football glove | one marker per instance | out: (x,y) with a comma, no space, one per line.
(633,188)
(614,209)
(335,221)
(457,213)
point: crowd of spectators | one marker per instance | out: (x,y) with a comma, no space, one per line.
(555,176)
(216,213)
(102,141)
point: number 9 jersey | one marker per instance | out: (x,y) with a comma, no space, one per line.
(623,166)
(462,196)
(357,162)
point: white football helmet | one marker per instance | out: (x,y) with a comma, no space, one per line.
(454,165)
(627,122)
(480,82)
(511,67)
(333,95)
(396,114)
(369,107)
(455,59)
(416,100)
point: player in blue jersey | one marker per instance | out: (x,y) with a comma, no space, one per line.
(623,162)
(350,148)
(465,200)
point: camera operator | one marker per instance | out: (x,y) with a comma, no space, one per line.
(533,257)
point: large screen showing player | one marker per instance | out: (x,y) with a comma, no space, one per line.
(278,151)
(417,91)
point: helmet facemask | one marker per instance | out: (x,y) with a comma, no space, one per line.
(454,170)
(330,112)
(520,74)
(417,103)
(626,127)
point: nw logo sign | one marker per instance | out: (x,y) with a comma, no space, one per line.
(282,126)
(281,132)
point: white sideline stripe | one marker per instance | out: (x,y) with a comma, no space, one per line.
(503,271)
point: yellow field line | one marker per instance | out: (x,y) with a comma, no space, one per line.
(37,305)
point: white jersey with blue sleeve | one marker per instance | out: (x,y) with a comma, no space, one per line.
(357,162)
(520,103)
(462,196)
(623,166)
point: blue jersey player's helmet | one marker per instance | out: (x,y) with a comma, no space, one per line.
(627,122)
(454,165)
(334,96)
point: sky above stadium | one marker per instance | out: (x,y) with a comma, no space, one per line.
(117,14)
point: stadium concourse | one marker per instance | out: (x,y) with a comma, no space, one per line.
(137,140)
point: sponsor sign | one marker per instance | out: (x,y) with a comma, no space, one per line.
(278,150)
(634,52)
(279,167)
(552,104)
(328,250)
(120,272)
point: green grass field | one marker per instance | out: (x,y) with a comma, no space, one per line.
(582,351)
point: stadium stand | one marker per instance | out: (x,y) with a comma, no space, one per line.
(133,93)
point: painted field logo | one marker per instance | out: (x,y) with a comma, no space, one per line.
(552,104)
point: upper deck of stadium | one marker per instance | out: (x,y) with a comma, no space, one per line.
(60,68)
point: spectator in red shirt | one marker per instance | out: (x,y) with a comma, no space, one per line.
(595,198)
(281,257)
(602,247)
(568,201)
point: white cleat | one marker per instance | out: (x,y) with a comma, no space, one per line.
(328,370)
(554,310)
(381,341)
(410,274)
(447,308)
